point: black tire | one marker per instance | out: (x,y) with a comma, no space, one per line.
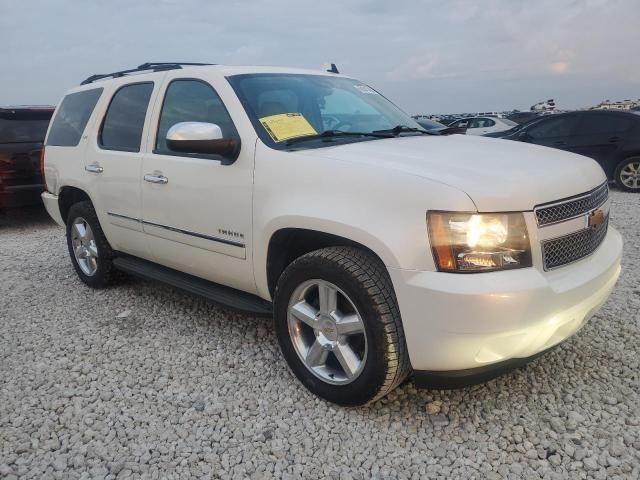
(105,272)
(364,278)
(618,178)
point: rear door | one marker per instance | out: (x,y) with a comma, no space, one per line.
(601,135)
(113,164)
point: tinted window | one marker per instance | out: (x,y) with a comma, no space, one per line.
(23,126)
(603,123)
(124,121)
(553,127)
(72,117)
(191,101)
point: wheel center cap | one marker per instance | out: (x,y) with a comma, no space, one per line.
(327,327)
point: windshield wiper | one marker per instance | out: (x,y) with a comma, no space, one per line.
(339,133)
(398,129)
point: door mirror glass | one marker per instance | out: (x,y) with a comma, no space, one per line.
(203,138)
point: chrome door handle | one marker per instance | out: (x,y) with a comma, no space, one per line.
(94,168)
(156,178)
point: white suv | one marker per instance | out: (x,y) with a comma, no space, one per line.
(379,249)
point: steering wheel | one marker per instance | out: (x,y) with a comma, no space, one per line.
(340,124)
(332,123)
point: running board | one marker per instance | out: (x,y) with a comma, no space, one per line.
(227,296)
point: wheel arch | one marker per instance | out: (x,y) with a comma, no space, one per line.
(68,196)
(287,244)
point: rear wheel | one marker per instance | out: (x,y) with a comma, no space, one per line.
(339,326)
(89,250)
(628,174)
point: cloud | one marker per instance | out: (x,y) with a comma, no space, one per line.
(429,55)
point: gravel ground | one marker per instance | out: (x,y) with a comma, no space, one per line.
(142,381)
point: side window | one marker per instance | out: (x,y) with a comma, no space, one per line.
(460,124)
(72,117)
(603,123)
(124,121)
(191,101)
(553,127)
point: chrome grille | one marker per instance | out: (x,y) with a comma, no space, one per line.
(571,208)
(570,248)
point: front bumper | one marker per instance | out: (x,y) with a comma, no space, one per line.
(455,322)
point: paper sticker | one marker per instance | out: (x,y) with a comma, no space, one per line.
(365,89)
(285,126)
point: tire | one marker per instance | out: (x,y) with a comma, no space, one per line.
(104,272)
(364,294)
(624,175)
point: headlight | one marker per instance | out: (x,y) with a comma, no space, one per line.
(466,242)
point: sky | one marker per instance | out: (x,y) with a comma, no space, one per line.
(429,56)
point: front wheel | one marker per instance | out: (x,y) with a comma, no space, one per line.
(628,175)
(339,327)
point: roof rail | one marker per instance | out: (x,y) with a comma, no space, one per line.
(153,66)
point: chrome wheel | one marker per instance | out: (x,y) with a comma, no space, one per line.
(630,175)
(327,332)
(84,246)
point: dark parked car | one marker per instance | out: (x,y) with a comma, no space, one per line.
(22,132)
(437,127)
(610,138)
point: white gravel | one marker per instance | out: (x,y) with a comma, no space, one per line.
(143,381)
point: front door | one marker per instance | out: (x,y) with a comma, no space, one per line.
(197,213)
(556,132)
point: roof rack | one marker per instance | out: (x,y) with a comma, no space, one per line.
(148,66)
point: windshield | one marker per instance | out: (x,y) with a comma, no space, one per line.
(287,106)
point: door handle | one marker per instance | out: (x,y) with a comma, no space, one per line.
(614,139)
(156,178)
(94,168)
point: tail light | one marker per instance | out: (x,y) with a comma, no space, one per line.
(42,166)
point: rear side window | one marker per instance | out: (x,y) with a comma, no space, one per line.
(72,117)
(604,123)
(123,124)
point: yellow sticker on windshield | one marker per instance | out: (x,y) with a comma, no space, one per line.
(286,126)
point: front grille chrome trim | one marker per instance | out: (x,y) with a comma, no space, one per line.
(561,251)
(569,208)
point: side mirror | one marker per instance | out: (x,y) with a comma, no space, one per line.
(523,136)
(203,138)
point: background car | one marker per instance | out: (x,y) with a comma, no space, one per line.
(611,138)
(22,131)
(483,125)
(437,127)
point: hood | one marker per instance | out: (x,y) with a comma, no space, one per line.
(498,175)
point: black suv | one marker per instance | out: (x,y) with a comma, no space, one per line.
(22,132)
(611,138)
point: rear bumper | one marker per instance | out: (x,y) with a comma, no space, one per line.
(456,322)
(53,207)
(20,195)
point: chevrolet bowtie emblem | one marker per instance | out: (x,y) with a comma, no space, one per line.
(596,218)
